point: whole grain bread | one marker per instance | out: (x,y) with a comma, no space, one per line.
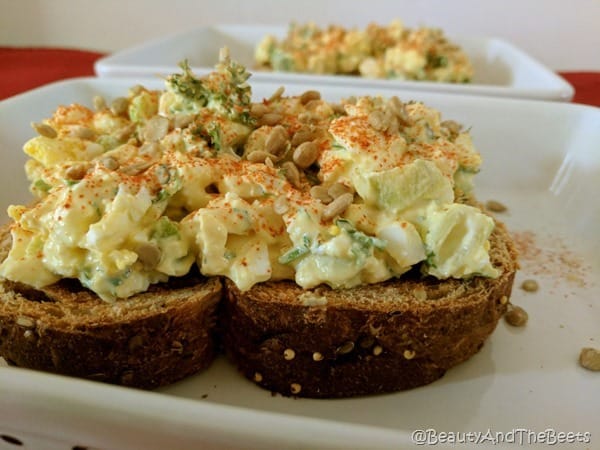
(145,341)
(372,339)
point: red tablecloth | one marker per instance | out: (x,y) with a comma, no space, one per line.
(22,69)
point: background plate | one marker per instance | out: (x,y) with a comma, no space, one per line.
(541,160)
(500,68)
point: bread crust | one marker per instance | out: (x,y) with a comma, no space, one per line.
(145,341)
(367,340)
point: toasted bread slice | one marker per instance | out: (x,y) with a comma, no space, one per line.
(371,339)
(147,340)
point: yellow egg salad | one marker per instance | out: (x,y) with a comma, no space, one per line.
(392,51)
(132,192)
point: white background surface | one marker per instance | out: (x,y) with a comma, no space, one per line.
(561,34)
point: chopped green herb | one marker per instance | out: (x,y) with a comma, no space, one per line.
(282,61)
(296,252)
(120,278)
(470,170)
(163,194)
(42,185)
(306,240)
(164,228)
(364,241)
(188,85)
(292,254)
(437,61)
(429,260)
(224,91)
(97,208)
(215,134)
(246,118)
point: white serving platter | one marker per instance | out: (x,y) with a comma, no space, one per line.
(501,69)
(541,160)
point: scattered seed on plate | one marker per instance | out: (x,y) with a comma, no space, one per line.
(530,285)
(589,358)
(516,316)
(495,206)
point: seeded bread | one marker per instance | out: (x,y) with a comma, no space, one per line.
(145,341)
(391,336)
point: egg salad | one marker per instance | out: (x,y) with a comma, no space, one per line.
(144,188)
(392,51)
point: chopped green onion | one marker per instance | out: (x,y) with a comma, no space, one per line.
(296,252)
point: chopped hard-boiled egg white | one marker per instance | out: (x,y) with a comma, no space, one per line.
(140,190)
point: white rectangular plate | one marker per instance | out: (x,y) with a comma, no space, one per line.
(541,160)
(500,68)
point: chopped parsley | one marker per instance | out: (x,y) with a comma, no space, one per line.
(224,91)
(188,85)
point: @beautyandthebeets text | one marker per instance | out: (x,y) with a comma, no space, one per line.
(516,436)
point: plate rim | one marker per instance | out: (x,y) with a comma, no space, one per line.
(37,379)
(558,89)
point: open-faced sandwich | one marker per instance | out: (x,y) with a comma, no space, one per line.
(334,249)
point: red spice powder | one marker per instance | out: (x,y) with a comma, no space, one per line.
(551,258)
